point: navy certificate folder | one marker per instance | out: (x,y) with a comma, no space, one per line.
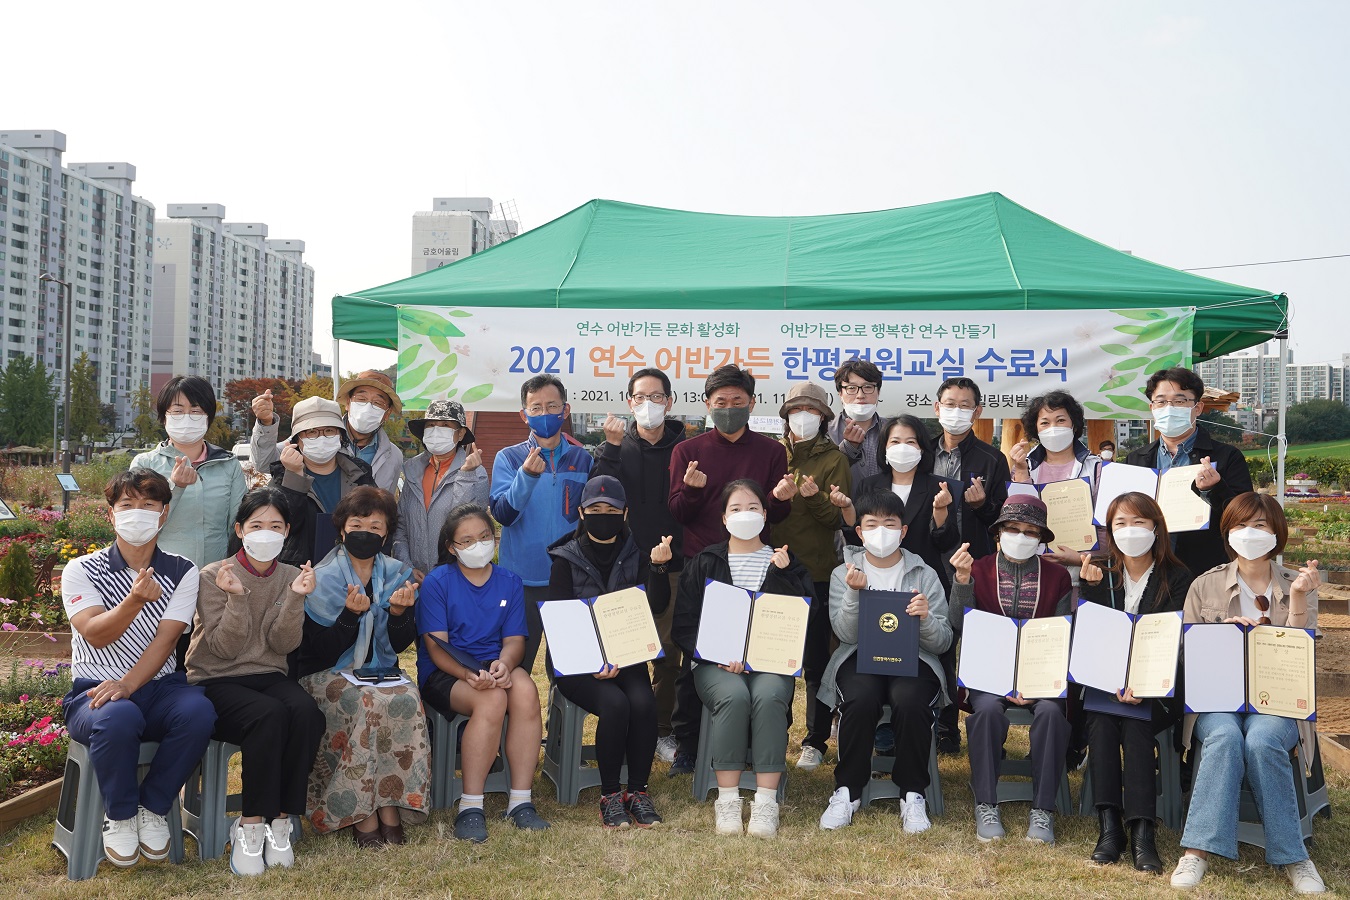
(888,636)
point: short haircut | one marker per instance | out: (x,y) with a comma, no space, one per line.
(1181,377)
(957,383)
(458,516)
(196,389)
(145,483)
(744,484)
(1165,560)
(729,377)
(926,446)
(254,500)
(538,383)
(1053,400)
(1249,506)
(649,373)
(880,503)
(863,368)
(1105,444)
(366,501)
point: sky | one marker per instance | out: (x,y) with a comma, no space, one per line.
(1192,134)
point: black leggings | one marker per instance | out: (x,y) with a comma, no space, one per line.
(626,709)
(861,698)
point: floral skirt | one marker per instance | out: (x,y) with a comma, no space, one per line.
(375,752)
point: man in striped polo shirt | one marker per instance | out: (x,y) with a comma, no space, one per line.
(127,605)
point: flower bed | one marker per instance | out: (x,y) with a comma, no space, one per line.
(33,736)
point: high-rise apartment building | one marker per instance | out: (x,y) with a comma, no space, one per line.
(1255,375)
(228,302)
(83,224)
(456,228)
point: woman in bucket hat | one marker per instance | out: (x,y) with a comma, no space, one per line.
(447,473)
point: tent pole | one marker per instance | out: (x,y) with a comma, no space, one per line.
(1279,429)
(337,348)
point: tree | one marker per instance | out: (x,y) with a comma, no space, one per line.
(144,422)
(1317,420)
(221,433)
(86,419)
(315,386)
(1222,427)
(26,398)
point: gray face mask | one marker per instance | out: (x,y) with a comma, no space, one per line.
(731,419)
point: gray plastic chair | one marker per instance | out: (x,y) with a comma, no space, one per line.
(568,761)
(885,789)
(208,806)
(446,782)
(1022,791)
(705,779)
(79,814)
(1169,806)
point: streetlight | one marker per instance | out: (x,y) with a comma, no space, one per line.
(69,346)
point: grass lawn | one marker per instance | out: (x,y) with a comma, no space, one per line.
(1332,449)
(683,858)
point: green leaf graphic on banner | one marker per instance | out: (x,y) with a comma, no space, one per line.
(407,355)
(1133,362)
(1115,383)
(1117,349)
(1166,362)
(474,394)
(1096,407)
(438,386)
(445,329)
(458,313)
(410,380)
(447,364)
(450,394)
(1131,329)
(1127,401)
(1144,315)
(1156,330)
(440,342)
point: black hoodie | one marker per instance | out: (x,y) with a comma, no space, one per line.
(644,471)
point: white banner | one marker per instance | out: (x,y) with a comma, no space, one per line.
(481,355)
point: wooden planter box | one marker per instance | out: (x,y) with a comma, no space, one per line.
(29,804)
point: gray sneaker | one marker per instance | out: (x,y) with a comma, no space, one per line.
(1041,827)
(988,823)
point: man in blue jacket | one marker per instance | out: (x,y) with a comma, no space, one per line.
(536,488)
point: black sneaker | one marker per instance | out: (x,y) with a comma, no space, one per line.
(526,817)
(883,742)
(471,825)
(683,765)
(612,812)
(948,745)
(641,809)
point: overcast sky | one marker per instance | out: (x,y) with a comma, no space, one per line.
(1193,134)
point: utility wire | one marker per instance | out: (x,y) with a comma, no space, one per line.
(1270,262)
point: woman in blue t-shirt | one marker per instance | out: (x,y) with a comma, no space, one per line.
(478,610)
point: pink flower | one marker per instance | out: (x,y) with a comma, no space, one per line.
(48,636)
(44,721)
(46,739)
(23,698)
(6,601)
(35,615)
(8,626)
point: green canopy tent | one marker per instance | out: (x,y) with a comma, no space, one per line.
(976,253)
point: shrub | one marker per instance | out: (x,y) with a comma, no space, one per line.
(33,681)
(18,580)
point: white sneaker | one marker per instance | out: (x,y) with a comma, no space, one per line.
(763,819)
(246,848)
(840,811)
(278,850)
(728,815)
(914,813)
(121,843)
(1304,877)
(1189,871)
(810,759)
(666,747)
(154,834)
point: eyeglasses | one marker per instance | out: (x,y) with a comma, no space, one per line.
(323,432)
(853,390)
(1175,403)
(466,544)
(957,405)
(552,409)
(1263,604)
(658,397)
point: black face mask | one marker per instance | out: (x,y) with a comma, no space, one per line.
(730,420)
(603,526)
(363,544)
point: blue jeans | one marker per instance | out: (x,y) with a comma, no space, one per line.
(1258,747)
(167,710)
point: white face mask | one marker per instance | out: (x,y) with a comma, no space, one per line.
(264,546)
(1251,543)
(805,425)
(1055,439)
(903,457)
(1134,541)
(185,428)
(439,440)
(1108,455)
(860,412)
(745,525)
(321,449)
(649,414)
(477,556)
(882,541)
(365,417)
(1172,422)
(955,420)
(137,527)
(1018,546)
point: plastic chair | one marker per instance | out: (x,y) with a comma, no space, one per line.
(1022,791)
(705,779)
(883,788)
(446,783)
(1169,805)
(208,805)
(79,814)
(568,762)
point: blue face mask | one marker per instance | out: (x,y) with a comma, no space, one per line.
(545,426)
(1172,422)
